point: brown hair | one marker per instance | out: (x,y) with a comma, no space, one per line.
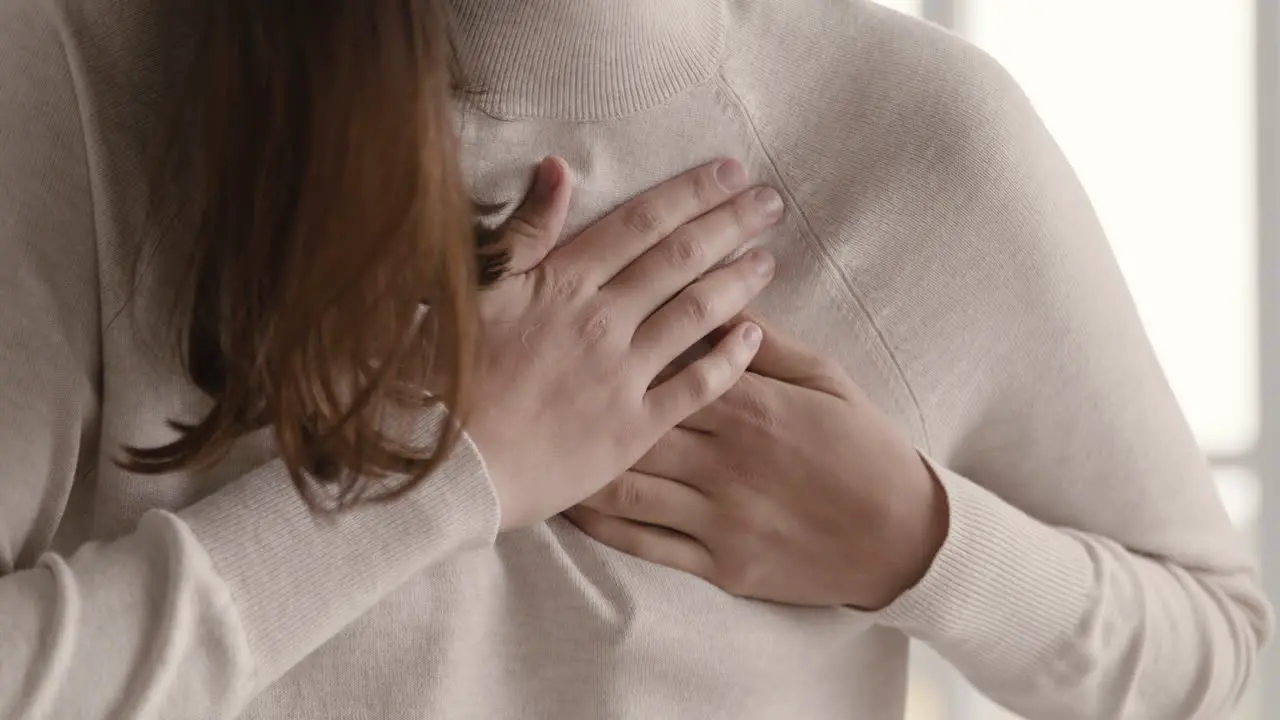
(329,212)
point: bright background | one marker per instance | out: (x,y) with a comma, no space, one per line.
(1158,105)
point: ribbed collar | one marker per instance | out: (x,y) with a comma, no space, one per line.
(585,59)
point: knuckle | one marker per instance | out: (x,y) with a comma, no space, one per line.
(565,285)
(703,381)
(524,226)
(683,251)
(705,187)
(625,494)
(594,324)
(743,215)
(717,372)
(642,216)
(699,307)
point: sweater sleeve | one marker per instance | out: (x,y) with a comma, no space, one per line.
(192,613)
(1090,570)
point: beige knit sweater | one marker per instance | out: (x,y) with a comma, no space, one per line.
(937,243)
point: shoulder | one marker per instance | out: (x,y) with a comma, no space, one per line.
(856,101)
(114,55)
(860,66)
(41,135)
(82,89)
(902,145)
(71,63)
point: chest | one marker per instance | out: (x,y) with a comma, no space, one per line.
(815,294)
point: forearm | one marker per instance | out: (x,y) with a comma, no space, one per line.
(1055,623)
(193,614)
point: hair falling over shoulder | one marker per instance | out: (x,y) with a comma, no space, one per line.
(329,208)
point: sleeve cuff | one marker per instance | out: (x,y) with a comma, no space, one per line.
(1005,588)
(297,578)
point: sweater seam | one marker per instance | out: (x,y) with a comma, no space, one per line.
(825,254)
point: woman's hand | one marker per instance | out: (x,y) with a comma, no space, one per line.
(791,488)
(571,343)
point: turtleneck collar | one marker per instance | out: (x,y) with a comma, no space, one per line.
(584,60)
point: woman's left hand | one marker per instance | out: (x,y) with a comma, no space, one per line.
(791,488)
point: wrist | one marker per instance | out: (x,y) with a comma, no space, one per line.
(917,533)
(937,523)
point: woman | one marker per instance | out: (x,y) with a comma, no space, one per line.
(979,451)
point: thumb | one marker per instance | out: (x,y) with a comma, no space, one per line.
(533,230)
(785,358)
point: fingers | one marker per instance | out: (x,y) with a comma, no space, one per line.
(531,233)
(700,308)
(654,500)
(691,250)
(785,358)
(747,399)
(683,455)
(704,380)
(655,544)
(615,242)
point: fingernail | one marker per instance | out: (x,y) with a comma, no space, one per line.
(769,202)
(751,335)
(762,262)
(731,175)
(550,175)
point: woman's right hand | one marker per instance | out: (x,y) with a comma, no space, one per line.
(573,337)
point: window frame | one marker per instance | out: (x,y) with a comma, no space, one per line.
(1265,458)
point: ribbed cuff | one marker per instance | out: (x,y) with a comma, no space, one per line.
(1005,591)
(297,578)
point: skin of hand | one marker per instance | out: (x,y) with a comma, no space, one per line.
(563,394)
(791,488)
